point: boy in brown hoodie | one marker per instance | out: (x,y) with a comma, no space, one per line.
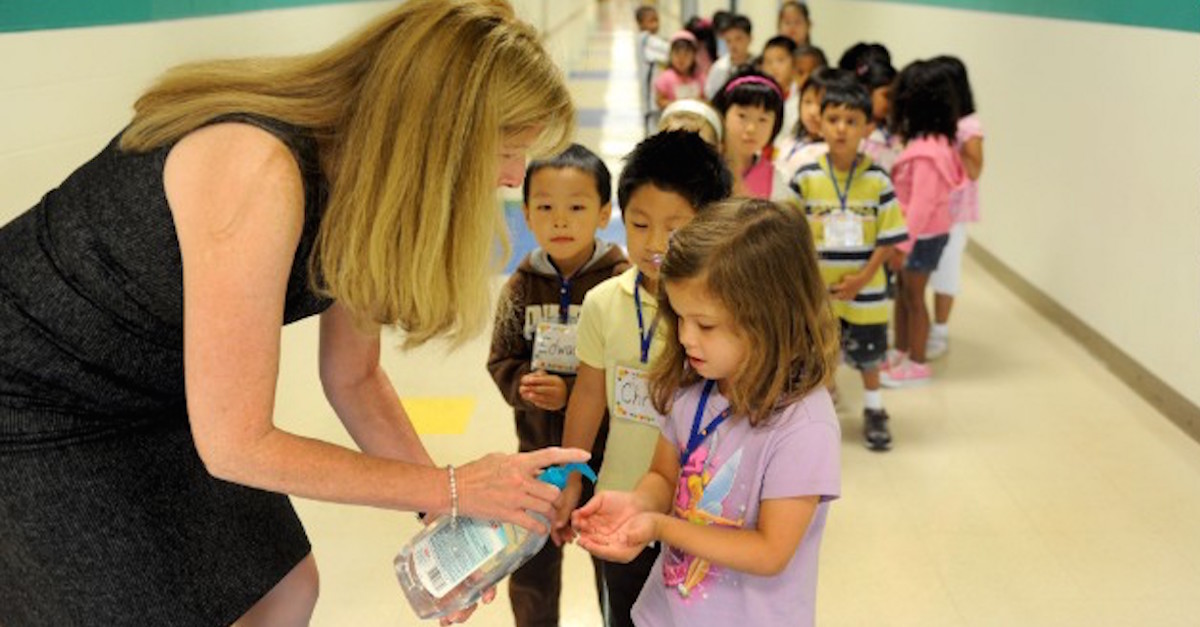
(567,199)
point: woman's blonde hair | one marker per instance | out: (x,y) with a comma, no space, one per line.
(759,260)
(409,114)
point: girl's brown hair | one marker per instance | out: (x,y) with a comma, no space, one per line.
(410,114)
(759,260)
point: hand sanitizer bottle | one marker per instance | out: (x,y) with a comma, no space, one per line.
(449,564)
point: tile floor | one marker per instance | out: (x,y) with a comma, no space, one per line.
(1028,486)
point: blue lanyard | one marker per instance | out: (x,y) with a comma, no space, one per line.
(698,435)
(564,297)
(843,197)
(645,338)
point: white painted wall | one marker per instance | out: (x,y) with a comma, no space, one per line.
(65,93)
(1092,161)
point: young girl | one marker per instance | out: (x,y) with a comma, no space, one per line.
(964,208)
(682,79)
(925,116)
(751,108)
(794,22)
(748,458)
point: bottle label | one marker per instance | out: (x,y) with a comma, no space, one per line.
(450,554)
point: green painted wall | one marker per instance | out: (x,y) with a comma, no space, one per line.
(1181,15)
(24,15)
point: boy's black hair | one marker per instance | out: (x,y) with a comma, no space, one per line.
(641,12)
(863,52)
(781,41)
(579,158)
(924,102)
(849,94)
(751,94)
(740,22)
(962,85)
(720,20)
(678,162)
(821,78)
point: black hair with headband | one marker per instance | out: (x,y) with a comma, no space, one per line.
(751,88)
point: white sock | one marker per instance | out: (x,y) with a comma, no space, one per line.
(873,399)
(940,331)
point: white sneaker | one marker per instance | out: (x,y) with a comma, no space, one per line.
(935,347)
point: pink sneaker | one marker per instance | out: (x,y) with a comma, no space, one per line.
(907,373)
(893,358)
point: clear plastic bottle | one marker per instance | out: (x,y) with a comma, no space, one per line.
(449,564)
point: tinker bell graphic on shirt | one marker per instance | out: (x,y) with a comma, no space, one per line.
(698,499)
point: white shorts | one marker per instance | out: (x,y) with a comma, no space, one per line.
(948,276)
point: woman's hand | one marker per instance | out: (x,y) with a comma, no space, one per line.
(506,488)
(461,616)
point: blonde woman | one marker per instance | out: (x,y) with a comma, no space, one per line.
(142,479)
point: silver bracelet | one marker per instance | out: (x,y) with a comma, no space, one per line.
(453,495)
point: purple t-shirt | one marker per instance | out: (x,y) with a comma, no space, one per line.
(796,453)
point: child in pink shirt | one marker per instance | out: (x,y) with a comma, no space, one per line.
(964,209)
(925,116)
(682,79)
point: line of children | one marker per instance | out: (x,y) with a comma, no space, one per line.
(666,181)
(747,461)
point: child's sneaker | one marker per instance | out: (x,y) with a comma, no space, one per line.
(936,346)
(892,358)
(905,374)
(875,429)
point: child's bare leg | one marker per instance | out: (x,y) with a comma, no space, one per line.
(942,303)
(871,379)
(900,317)
(913,287)
(290,602)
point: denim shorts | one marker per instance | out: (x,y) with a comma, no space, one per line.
(926,254)
(864,346)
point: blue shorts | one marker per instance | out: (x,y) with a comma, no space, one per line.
(926,254)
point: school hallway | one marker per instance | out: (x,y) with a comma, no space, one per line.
(1027,484)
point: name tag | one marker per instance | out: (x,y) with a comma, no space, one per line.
(633,397)
(843,229)
(554,348)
